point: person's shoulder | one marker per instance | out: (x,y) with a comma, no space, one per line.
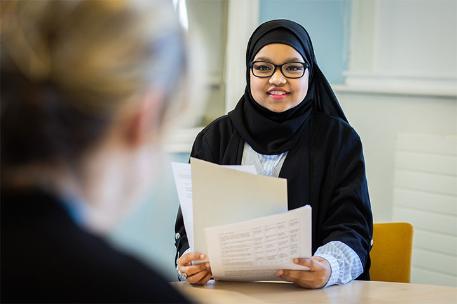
(102,271)
(119,276)
(215,134)
(68,263)
(330,122)
(218,127)
(333,127)
(213,139)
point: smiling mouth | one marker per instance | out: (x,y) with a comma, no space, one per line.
(277,94)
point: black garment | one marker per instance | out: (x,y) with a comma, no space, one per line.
(268,132)
(325,169)
(46,257)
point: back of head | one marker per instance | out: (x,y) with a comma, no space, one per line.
(67,66)
(85,88)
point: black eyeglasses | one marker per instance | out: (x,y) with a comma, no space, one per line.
(293,70)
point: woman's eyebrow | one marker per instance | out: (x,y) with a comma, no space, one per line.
(262,59)
(291,59)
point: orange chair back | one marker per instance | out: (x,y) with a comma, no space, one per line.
(391,252)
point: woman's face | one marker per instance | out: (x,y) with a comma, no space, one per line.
(278,93)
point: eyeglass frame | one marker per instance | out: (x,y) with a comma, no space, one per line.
(305,64)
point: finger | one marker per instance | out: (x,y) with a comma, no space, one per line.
(308,279)
(304,279)
(295,275)
(196,278)
(324,262)
(312,263)
(206,279)
(191,256)
(191,270)
(186,259)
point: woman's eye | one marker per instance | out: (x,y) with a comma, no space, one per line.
(262,67)
(295,68)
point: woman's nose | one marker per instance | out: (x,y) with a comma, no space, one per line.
(277,78)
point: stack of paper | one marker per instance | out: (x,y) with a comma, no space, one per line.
(222,210)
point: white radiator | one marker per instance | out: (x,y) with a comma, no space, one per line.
(425,194)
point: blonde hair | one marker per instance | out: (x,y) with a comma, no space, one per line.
(68,65)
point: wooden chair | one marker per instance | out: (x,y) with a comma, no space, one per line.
(391,252)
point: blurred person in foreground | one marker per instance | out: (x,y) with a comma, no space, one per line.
(86,91)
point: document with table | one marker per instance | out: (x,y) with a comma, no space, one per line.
(241,221)
(254,250)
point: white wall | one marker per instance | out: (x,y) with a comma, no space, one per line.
(379,119)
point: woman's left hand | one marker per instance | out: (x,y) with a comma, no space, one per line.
(316,277)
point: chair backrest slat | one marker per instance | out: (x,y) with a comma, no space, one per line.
(391,252)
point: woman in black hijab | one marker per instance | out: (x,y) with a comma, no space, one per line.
(289,124)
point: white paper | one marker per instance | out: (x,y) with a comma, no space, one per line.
(222,196)
(183,181)
(255,250)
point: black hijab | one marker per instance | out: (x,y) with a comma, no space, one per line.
(269,132)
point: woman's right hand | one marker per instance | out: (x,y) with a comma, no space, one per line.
(196,274)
